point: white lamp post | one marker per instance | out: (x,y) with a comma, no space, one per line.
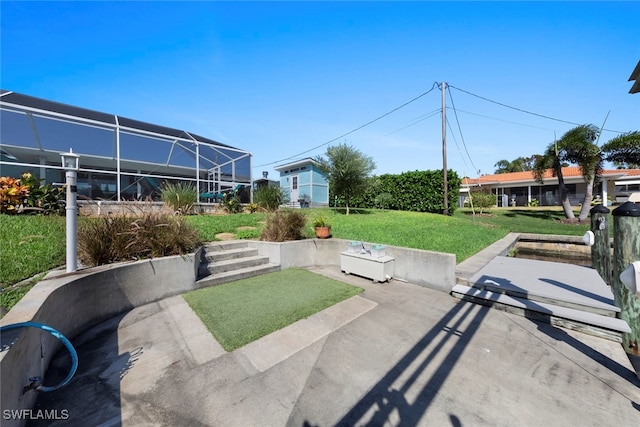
(70,164)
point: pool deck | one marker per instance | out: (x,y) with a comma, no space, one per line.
(397,354)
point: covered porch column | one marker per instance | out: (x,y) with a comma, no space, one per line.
(605,193)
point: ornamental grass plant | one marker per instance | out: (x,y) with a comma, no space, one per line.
(112,239)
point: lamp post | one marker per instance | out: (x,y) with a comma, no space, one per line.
(70,164)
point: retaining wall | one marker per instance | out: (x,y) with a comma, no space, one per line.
(435,270)
(73,302)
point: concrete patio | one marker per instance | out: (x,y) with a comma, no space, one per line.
(397,354)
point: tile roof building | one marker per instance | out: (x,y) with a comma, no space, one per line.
(521,188)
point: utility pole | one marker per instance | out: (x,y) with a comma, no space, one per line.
(444,150)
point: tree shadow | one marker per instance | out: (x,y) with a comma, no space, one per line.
(352,211)
(538,214)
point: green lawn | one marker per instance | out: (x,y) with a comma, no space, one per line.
(36,244)
(240,312)
(30,245)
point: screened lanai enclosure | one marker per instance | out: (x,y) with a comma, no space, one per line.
(120,158)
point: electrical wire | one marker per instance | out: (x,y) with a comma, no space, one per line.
(455,113)
(525,111)
(501,120)
(457,145)
(417,120)
(435,84)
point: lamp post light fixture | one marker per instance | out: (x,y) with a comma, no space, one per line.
(70,163)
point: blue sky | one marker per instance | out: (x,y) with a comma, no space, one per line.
(280,78)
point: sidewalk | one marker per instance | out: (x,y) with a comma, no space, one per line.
(396,354)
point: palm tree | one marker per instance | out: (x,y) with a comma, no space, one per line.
(579,146)
(624,150)
(553,159)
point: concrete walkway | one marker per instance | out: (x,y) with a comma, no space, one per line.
(397,354)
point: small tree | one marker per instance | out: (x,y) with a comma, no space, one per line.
(521,164)
(482,198)
(347,170)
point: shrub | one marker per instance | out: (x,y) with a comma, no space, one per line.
(231,203)
(283,226)
(482,198)
(269,197)
(181,196)
(12,194)
(383,200)
(419,191)
(26,195)
(112,239)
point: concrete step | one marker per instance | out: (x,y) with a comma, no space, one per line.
(236,263)
(554,283)
(226,245)
(222,254)
(590,323)
(602,308)
(230,276)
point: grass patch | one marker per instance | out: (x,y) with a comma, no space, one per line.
(240,312)
(210,225)
(416,230)
(30,245)
(528,220)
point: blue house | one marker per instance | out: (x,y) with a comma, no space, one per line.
(305,183)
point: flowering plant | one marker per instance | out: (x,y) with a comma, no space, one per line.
(231,203)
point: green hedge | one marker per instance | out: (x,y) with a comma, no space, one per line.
(418,191)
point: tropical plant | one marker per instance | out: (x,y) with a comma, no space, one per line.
(13,193)
(624,150)
(347,170)
(27,195)
(269,197)
(180,196)
(579,146)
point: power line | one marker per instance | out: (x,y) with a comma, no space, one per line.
(525,111)
(415,121)
(501,120)
(464,144)
(457,145)
(352,131)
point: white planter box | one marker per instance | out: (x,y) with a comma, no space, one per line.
(379,269)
